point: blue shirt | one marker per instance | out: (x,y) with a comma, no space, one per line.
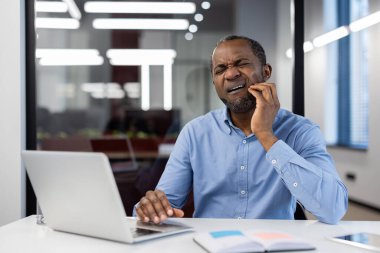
(232,176)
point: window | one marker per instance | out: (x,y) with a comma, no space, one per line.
(347,92)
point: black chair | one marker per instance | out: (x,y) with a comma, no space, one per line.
(299,214)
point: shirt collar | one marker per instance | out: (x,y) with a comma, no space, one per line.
(227,120)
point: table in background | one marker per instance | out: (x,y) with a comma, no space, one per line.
(26,236)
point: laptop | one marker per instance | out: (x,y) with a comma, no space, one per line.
(78,194)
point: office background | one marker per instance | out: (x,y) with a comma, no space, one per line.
(269,22)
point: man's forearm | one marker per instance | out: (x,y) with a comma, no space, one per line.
(312,182)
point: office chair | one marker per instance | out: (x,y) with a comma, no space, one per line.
(299,214)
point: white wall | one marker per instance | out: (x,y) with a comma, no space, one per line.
(316,69)
(12,175)
(364,164)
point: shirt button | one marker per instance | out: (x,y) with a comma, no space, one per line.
(295,184)
(274,161)
(242,167)
(242,192)
(244,141)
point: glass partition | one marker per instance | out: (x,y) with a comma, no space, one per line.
(123,79)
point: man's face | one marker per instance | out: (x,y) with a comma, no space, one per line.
(234,69)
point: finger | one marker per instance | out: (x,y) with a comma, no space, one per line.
(165,202)
(178,213)
(272,87)
(274,93)
(141,215)
(160,213)
(266,91)
(257,94)
(149,210)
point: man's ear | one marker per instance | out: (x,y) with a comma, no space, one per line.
(267,71)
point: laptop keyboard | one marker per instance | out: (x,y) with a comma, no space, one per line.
(139,228)
(137,232)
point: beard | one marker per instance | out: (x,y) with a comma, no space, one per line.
(241,105)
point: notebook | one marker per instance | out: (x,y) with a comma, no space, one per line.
(231,241)
(77,193)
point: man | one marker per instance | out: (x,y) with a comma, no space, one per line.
(250,159)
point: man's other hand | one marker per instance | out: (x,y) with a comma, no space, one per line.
(155,207)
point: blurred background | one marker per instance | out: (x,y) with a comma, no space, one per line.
(136,72)
(124,77)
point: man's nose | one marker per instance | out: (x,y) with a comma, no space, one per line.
(232,73)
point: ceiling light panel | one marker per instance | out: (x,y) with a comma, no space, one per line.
(135,57)
(73,9)
(50,6)
(365,22)
(69,57)
(140,7)
(331,36)
(57,23)
(140,24)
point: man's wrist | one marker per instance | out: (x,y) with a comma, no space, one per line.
(267,139)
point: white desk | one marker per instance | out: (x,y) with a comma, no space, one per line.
(26,236)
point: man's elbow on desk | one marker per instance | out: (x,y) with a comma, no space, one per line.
(334,211)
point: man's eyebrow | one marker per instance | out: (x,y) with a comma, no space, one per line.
(219,65)
(236,61)
(242,59)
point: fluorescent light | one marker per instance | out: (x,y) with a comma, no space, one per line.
(69,57)
(50,52)
(135,57)
(140,24)
(92,87)
(307,46)
(50,6)
(140,7)
(112,94)
(145,58)
(193,28)
(289,53)
(132,89)
(70,61)
(145,90)
(206,5)
(198,17)
(121,61)
(189,36)
(167,87)
(331,36)
(97,87)
(365,22)
(73,9)
(57,23)
(103,90)
(339,33)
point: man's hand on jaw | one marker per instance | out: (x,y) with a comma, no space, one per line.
(155,207)
(267,106)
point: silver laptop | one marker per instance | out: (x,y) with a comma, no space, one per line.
(77,193)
